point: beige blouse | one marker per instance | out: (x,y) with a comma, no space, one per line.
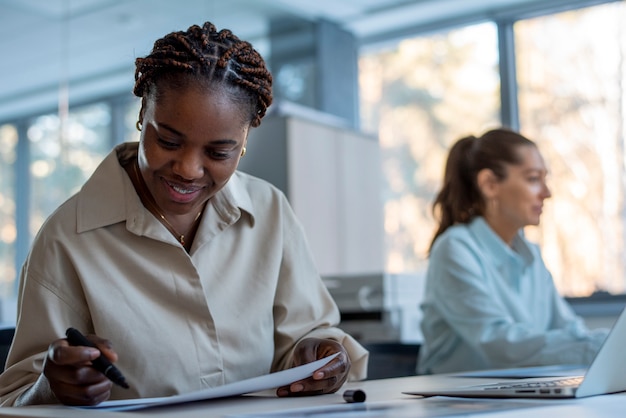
(231,309)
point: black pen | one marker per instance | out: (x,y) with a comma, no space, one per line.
(102,364)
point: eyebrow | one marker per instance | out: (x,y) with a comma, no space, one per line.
(535,170)
(177,132)
(169,128)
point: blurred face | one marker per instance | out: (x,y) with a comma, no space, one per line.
(518,199)
(190,145)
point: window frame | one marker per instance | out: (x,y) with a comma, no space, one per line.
(594,305)
(504,20)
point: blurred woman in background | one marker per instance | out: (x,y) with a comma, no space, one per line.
(490,302)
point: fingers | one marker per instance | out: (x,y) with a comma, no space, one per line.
(310,387)
(104,346)
(339,366)
(61,353)
(93,389)
(70,375)
(327,379)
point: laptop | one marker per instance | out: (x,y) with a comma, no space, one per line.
(606,374)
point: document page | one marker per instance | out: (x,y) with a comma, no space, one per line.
(255,384)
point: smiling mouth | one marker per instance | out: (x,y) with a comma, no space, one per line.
(181,189)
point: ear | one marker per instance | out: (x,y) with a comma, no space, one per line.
(487,183)
(142,110)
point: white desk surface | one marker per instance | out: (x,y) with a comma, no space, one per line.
(384,399)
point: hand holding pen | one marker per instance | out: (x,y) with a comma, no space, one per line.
(102,364)
(71,373)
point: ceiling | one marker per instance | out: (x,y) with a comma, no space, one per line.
(90,45)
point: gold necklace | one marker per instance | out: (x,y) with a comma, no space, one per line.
(154,208)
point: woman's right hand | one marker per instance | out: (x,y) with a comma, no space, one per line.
(70,375)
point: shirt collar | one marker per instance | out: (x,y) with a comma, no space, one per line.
(519,250)
(109,197)
(233,199)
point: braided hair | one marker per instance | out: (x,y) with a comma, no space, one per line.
(210,57)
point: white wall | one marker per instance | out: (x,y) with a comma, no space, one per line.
(332,177)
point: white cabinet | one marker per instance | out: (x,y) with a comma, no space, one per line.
(332,178)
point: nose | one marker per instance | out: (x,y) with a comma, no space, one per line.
(546,193)
(188,165)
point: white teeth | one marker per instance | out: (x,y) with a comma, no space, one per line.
(180,190)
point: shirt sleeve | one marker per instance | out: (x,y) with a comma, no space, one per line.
(304,308)
(43,314)
(482,316)
(573,328)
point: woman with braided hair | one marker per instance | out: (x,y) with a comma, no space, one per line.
(490,301)
(183,271)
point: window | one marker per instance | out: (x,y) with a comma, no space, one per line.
(63,157)
(8,230)
(131,115)
(571,81)
(420,97)
(571,70)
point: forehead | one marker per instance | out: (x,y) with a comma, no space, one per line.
(192,102)
(530,158)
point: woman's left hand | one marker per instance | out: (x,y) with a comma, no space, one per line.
(327,379)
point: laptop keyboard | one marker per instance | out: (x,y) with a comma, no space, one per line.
(566,382)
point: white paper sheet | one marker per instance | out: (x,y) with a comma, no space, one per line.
(255,384)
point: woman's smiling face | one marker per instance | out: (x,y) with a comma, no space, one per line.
(190,145)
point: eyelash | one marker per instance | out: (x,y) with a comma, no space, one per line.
(218,155)
(210,153)
(167,144)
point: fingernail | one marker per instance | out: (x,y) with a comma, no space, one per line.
(318,375)
(94,353)
(297,387)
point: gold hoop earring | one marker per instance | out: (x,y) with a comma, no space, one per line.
(243,151)
(138,125)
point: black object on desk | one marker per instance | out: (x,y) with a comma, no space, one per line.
(102,364)
(354,395)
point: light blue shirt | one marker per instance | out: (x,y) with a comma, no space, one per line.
(489,305)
